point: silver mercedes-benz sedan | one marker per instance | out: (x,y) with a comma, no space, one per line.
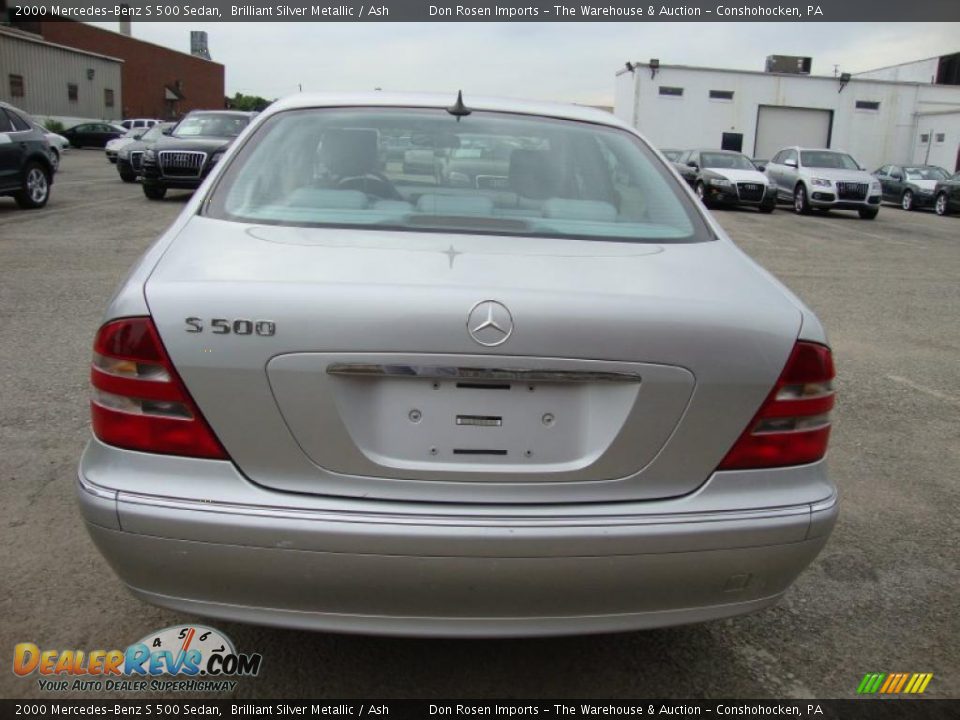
(548,397)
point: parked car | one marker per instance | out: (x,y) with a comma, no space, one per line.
(910,186)
(92,134)
(26,168)
(338,397)
(58,145)
(130,157)
(114,146)
(947,194)
(728,178)
(823,179)
(139,123)
(195,145)
(394,147)
(671,154)
(420,161)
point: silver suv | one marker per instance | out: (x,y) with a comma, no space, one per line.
(823,179)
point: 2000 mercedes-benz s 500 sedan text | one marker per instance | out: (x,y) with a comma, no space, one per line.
(554,399)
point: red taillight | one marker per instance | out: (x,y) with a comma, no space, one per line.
(139,401)
(792,426)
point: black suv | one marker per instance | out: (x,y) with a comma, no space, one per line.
(185,157)
(25,168)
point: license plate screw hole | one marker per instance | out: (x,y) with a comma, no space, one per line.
(433,451)
(528,453)
(415,415)
(530,388)
(548,419)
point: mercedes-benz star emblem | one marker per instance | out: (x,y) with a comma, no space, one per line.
(490,323)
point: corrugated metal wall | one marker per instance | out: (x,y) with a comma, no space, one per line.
(47,71)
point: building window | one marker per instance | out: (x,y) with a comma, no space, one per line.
(73,92)
(732,141)
(868,105)
(939,138)
(108,97)
(924,138)
(16,86)
(721,94)
(671,91)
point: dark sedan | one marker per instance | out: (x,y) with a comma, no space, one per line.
(92,134)
(726,178)
(947,195)
(910,186)
(185,157)
(130,157)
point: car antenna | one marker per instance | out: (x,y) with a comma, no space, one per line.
(458,108)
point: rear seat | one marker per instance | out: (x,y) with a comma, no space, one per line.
(594,210)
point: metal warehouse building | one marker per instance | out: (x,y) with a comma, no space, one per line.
(907,114)
(157,81)
(46,79)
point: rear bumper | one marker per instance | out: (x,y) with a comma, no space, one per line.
(443,570)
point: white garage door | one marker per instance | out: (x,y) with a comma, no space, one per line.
(779,127)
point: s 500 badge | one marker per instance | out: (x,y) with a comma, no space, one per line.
(223,326)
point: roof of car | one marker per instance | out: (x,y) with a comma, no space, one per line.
(437,100)
(813,149)
(238,113)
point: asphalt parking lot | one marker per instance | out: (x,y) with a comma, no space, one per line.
(881,598)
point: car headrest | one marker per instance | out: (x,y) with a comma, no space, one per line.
(594,210)
(328,199)
(350,152)
(455,204)
(532,175)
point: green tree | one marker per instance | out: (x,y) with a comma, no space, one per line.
(247,102)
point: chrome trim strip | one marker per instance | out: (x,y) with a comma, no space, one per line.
(440,372)
(96,490)
(455,519)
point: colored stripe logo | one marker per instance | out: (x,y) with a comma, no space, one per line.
(894,683)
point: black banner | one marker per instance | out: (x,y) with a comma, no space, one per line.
(872,709)
(487,10)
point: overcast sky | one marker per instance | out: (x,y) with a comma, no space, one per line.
(572,62)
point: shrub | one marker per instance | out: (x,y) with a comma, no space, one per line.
(54,126)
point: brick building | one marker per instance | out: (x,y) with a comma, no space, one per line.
(156,81)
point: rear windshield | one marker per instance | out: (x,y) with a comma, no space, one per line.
(424,170)
(728,161)
(211,125)
(824,159)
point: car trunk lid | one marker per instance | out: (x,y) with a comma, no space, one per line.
(342,361)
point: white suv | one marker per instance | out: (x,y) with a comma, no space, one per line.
(139,123)
(824,179)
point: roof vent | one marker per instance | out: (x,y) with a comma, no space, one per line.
(792,64)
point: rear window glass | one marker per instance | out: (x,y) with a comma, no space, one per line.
(423,170)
